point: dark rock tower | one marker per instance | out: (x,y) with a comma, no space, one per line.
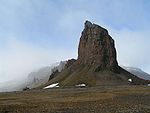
(96,47)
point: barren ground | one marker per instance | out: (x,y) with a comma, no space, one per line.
(102,99)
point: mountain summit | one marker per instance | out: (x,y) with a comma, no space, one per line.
(96,63)
(96,47)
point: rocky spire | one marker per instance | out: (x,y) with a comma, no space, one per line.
(96,64)
(96,47)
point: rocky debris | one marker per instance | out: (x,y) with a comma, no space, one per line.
(26,88)
(54,74)
(70,62)
(96,47)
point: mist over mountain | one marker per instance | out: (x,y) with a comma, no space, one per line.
(34,79)
(13,85)
(42,76)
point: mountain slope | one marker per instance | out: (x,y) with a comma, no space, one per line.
(42,76)
(138,72)
(96,63)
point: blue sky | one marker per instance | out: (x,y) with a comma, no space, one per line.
(36,33)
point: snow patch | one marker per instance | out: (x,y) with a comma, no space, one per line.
(52,86)
(80,85)
(130,80)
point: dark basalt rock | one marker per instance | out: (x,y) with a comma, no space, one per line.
(96,47)
(70,62)
(54,74)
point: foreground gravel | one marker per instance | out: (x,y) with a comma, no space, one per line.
(103,99)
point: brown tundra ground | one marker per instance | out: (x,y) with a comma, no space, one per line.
(102,99)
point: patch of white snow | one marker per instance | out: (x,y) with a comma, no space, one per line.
(52,86)
(130,80)
(80,85)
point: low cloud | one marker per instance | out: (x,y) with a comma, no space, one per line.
(20,58)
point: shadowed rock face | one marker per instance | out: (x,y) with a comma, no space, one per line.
(96,47)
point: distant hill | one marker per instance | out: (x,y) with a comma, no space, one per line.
(138,72)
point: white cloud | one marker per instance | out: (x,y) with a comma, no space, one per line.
(20,58)
(132,47)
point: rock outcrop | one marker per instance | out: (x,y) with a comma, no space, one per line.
(70,62)
(96,63)
(96,47)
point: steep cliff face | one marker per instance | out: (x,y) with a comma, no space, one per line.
(96,47)
(96,63)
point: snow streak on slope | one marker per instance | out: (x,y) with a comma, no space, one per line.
(52,86)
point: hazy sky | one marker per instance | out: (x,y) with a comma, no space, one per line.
(36,33)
